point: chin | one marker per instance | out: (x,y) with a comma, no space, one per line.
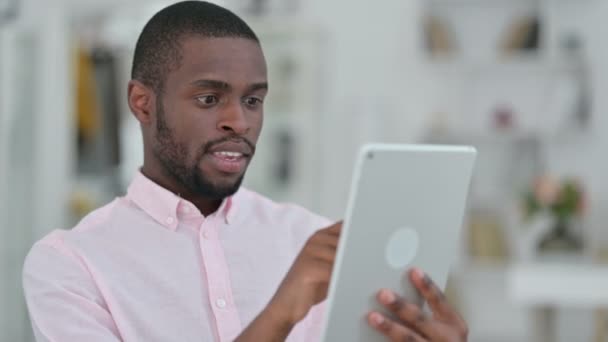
(219,187)
(228,187)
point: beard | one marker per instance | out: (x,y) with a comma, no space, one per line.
(173,156)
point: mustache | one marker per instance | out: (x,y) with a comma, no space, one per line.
(233,139)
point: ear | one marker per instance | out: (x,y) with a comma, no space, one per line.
(141,101)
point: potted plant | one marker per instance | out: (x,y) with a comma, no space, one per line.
(565,202)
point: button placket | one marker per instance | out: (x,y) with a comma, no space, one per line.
(218,280)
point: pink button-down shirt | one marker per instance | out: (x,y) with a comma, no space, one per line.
(149,267)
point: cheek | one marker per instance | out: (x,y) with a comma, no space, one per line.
(195,132)
(195,149)
(190,141)
(256,125)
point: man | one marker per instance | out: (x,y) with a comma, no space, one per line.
(187,254)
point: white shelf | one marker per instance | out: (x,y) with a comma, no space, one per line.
(519,64)
(565,284)
(480,3)
(491,137)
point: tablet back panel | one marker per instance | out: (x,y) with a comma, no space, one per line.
(405,209)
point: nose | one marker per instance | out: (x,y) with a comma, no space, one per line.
(233,119)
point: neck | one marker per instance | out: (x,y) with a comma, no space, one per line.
(205,205)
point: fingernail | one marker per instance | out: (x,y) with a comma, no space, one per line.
(377,318)
(418,273)
(387,297)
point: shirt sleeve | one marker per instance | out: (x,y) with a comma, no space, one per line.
(316,322)
(63,301)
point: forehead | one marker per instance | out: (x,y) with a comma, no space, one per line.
(233,60)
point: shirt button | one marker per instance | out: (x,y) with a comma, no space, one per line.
(169,220)
(206,235)
(220,303)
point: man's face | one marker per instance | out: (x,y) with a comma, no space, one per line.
(210,114)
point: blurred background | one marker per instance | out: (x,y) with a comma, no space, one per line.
(522,80)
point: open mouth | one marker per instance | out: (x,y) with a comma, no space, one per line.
(228,156)
(229,162)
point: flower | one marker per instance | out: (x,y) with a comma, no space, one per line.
(564,199)
(546,190)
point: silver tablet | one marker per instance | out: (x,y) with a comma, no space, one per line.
(405,209)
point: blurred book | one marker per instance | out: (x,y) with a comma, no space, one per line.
(487,241)
(522,35)
(438,37)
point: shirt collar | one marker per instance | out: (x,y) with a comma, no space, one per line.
(162,205)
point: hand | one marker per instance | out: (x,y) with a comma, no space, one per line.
(445,324)
(305,285)
(307,281)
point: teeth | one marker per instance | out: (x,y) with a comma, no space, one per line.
(229,154)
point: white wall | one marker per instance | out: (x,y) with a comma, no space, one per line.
(36,154)
(15,191)
(5,64)
(375,88)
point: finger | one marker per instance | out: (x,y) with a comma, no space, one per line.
(323,252)
(433,296)
(321,271)
(325,238)
(393,330)
(334,229)
(408,313)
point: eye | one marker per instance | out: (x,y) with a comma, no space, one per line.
(253,101)
(207,100)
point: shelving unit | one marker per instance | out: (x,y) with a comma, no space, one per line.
(534,91)
(475,79)
(538,90)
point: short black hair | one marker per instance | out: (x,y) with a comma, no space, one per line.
(158,49)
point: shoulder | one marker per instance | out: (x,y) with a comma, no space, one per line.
(52,264)
(58,243)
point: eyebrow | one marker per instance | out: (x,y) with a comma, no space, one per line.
(220,85)
(259,86)
(211,84)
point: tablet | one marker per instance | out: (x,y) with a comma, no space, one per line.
(405,209)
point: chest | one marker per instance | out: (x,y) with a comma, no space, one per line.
(190,284)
